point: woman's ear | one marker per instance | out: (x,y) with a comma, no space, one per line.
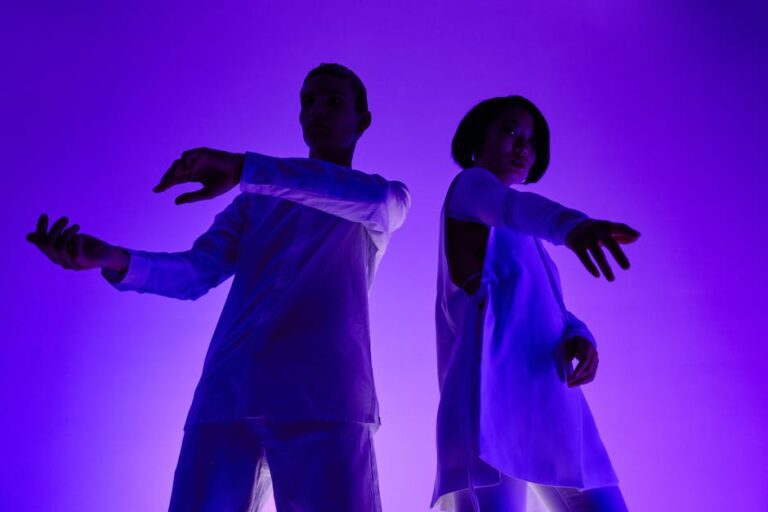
(365,122)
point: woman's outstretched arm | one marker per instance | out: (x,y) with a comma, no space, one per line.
(478,196)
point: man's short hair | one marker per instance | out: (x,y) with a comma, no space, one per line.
(361,95)
(473,128)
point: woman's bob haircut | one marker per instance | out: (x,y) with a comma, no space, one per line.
(472,129)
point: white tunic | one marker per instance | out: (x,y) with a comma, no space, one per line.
(504,403)
(303,243)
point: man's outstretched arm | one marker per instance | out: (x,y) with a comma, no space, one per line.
(183,275)
(378,204)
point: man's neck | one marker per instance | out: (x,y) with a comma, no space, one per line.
(342,157)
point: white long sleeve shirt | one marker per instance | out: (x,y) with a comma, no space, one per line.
(505,406)
(303,241)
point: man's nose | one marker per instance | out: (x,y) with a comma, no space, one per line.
(317,110)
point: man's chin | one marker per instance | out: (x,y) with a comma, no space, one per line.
(318,141)
(324,146)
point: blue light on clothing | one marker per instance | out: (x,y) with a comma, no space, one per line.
(505,407)
(303,241)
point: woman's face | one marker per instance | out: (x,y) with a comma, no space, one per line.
(508,150)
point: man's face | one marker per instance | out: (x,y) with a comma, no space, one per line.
(328,118)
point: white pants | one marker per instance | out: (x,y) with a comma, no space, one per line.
(313,466)
(510,496)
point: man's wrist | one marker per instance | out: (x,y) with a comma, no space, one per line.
(117,261)
(238,162)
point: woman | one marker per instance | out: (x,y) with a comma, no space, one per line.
(511,411)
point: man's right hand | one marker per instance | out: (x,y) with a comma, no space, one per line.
(589,238)
(73,250)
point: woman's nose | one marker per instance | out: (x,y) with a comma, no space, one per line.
(521,147)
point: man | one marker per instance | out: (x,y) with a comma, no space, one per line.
(287,378)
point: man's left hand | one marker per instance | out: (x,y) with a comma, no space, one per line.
(218,171)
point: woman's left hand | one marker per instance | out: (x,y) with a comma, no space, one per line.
(582,349)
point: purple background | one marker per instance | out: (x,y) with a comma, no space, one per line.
(657,112)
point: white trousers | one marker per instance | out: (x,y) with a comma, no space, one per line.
(511,495)
(312,466)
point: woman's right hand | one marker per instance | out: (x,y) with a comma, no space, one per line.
(72,250)
(589,238)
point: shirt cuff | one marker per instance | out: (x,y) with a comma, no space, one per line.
(257,169)
(136,276)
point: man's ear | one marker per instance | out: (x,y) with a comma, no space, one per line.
(365,122)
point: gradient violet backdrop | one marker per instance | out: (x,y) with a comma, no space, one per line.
(657,112)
